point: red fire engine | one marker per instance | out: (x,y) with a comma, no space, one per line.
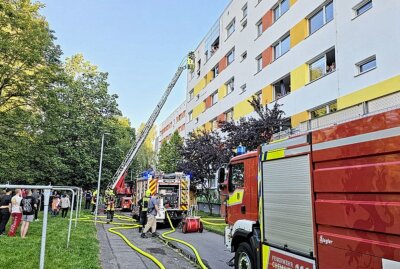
(327,198)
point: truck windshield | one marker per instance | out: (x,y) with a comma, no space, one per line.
(236,176)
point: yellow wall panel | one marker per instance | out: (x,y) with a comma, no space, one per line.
(199,86)
(208,126)
(222,92)
(299,77)
(298,118)
(198,110)
(267,96)
(292,2)
(298,33)
(374,91)
(209,77)
(242,109)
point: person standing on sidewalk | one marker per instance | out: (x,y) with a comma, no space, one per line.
(5,208)
(152,212)
(65,204)
(110,205)
(88,198)
(37,196)
(16,212)
(28,209)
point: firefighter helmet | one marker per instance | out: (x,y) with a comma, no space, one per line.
(148,193)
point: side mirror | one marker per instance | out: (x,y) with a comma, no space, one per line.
(221,175)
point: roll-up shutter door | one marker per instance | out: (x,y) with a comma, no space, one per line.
(287,204)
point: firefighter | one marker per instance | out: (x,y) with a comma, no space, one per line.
(143,206)
(93,201)
(110,205)
(152,212)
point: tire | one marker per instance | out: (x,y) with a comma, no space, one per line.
(184,228)
(244,257)
(201,227)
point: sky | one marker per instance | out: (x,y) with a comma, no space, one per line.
(139,43)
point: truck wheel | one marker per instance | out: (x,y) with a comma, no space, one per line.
(244,257)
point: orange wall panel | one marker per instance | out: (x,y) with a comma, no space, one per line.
(208,102)
(266,20)
(222,64)
(266,57)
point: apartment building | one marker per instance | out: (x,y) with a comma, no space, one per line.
(313,57)
(174,122)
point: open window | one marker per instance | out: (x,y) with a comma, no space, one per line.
(282,87)
(323,65)
(215,46)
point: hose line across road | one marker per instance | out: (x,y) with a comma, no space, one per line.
(127,223)
(126,226)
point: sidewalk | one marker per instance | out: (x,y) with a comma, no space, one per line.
(115,253)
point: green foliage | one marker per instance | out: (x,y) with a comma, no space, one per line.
(53,114)
(145,158)
(170,155)
(83,250)
(29,59)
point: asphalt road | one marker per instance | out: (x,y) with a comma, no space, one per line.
(209,245)
(115,254)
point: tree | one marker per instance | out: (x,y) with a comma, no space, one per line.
(252,132)
(29,59)
(170,154)
(203,153)
(145,158)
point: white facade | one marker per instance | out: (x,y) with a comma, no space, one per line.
(375,33)
(174,122)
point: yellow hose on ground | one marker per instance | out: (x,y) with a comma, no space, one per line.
(129,243)
(164,235)
(213,224)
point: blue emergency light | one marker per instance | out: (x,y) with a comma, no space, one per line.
(241,150)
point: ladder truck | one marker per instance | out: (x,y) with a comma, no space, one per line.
(118,180)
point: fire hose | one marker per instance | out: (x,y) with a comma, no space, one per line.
(165,236)
(124,226)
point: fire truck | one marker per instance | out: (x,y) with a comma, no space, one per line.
(173,190)
(326,198)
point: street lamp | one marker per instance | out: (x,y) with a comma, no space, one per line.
(98,181)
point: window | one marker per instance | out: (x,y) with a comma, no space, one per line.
(281,8)
(244,55)
(259,28)
(215,71)
(198,67)
(191,94)
(214,98)
(259,63)
(282,47)
(236,176)
(244,24)
(230,57)
(214,124)
(244,11)
(229,115)
(323,110)
(365,6)
(323,65)
(230,28)
(259,95)
(243,88)
(321,17)
(190,115)
(367,65)
(214,46)
(282,87)
(230,85)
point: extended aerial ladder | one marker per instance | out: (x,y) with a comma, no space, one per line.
(187,63)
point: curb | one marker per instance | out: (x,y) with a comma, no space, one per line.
(184,252)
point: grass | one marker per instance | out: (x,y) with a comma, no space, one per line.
(83,251)
(218,229)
